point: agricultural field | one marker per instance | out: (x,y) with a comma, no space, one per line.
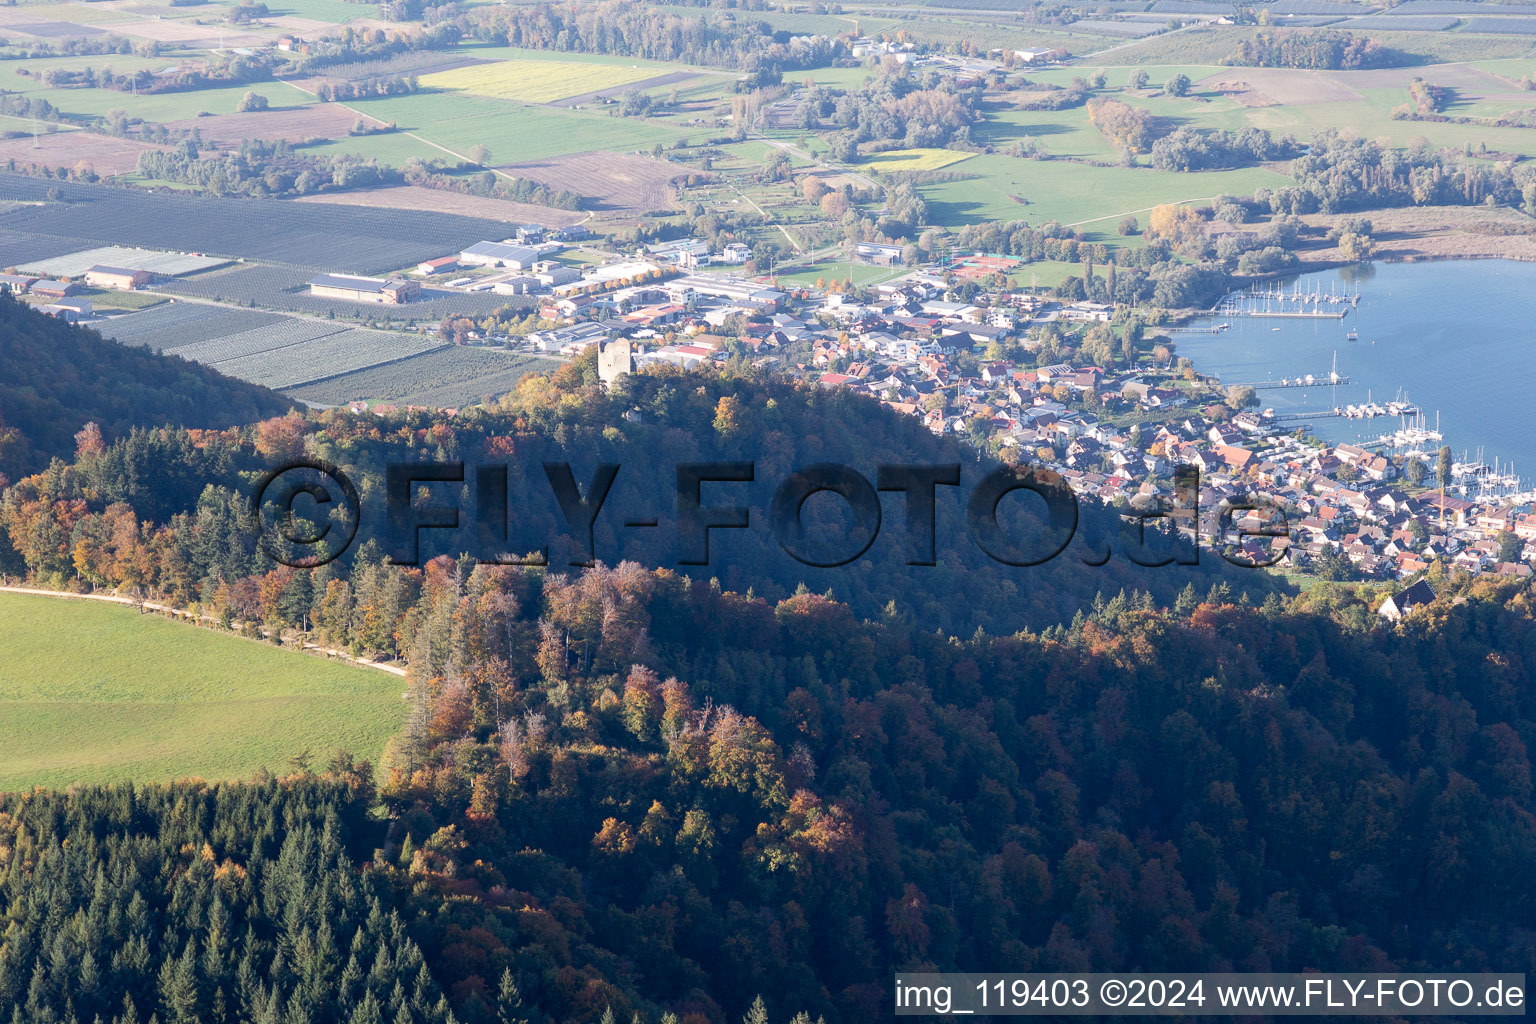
(614,184)
(1005,188)
(914,159)
(1208,44)
(324,357)
(109,299)
(182,323)
(513,133)
(257,340)
(96,692)
(296,122)
(535,81)
(416,197)
(411,62)
(711,90)
(446,378)
(101,153)
(76,264)
(343,239)
(21,247)
(242,283)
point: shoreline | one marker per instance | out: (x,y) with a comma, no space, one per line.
(1312,431)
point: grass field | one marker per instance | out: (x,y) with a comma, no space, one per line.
(513,133)
(1005,188)
(95,692)
(914,159)
(535,81)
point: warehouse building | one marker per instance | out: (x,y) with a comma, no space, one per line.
(395,290)
(499,254)
(121,278)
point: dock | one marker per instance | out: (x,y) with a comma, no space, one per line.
(1302,417)
(1278,304)
(1299,382)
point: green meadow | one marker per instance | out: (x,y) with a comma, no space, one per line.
(95,692)
(513,132)
(1004,188)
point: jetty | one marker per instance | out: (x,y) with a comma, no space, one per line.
(1278,304)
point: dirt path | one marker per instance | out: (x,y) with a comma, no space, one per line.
(154,606)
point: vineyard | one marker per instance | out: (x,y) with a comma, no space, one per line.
(446,378)
(1402,23)
(322,358)
(21,247)
(261,283)
(1503,26)
(285,332)
(264,348)
(412,62)
(342,239)
(182,323)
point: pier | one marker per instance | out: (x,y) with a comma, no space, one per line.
(1300,382)
(1209,329)
(1302,417)
(1278,304)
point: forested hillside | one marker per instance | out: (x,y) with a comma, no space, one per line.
(55,378)
(193,485)
(196,903)
(645,791)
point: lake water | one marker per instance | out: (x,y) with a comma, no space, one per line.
(1455,337)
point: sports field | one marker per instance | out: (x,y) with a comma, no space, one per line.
(541,81)
(96,692)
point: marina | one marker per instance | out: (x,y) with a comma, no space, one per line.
(1274,302)
(1455,336)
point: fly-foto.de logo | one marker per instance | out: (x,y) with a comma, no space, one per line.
(308,513)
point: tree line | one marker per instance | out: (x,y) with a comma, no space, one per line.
(634,789)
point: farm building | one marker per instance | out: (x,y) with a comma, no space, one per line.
(530,234)
(72,310)
(572,233)
(440,265)
(120,278)
(15,283)
(1041,56)
(364,289)
(55,289)
(499,254)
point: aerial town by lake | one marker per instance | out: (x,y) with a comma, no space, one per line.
(1031,378)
